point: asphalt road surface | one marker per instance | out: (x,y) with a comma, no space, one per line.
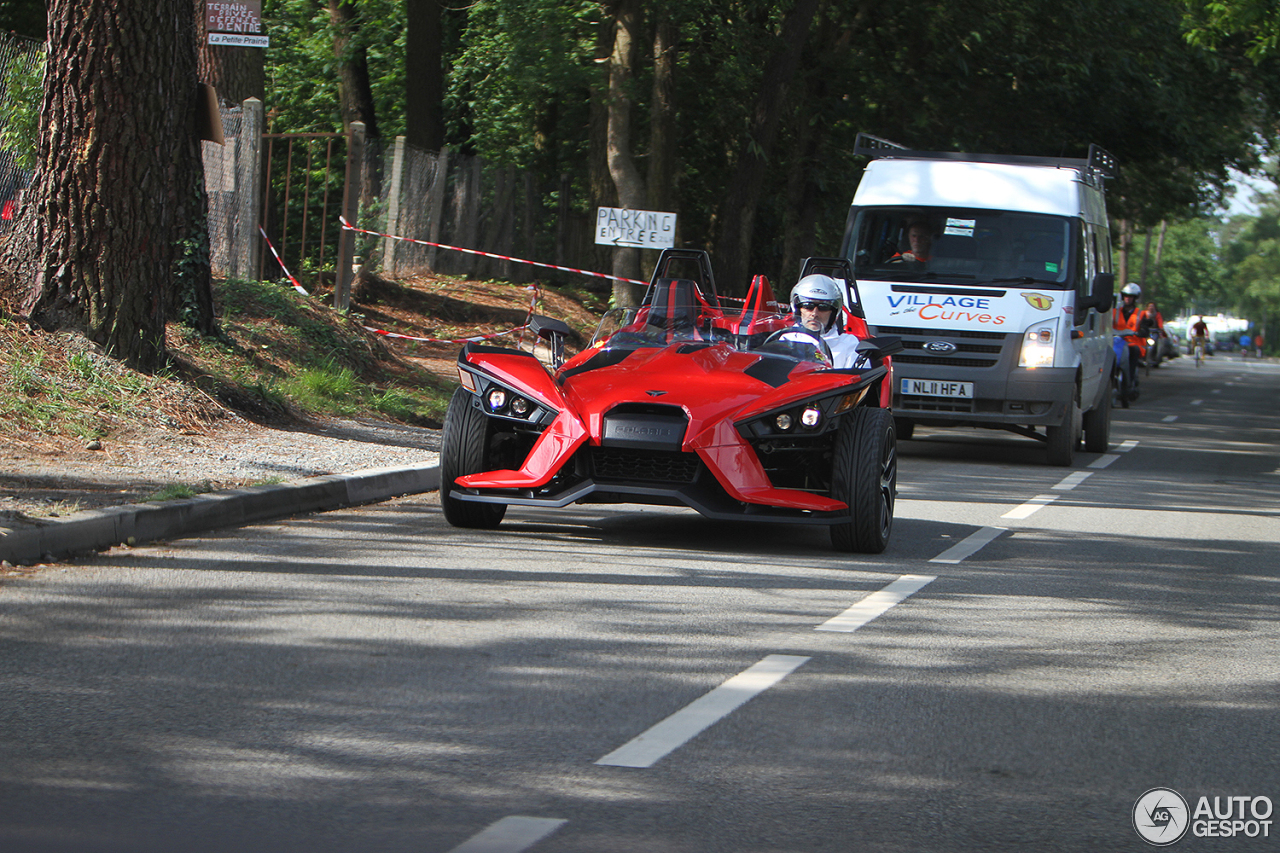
(1038,648)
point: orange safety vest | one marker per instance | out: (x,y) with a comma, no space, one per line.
(1125,324)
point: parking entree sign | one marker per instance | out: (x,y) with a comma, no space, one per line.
(641,229)
(235,23)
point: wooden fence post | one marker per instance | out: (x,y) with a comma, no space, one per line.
(351,211)
(393,209)
(435,204)
(249,191)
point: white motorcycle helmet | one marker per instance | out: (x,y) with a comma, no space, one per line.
(1131,289)
(822,290)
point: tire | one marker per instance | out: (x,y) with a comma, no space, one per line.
(1062,439)
(1133,378)
(865,477)
(1123,390)
(1097,425)
(904,429)
(462,451)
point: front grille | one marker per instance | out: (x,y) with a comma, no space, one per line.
(650,466)
(973,349)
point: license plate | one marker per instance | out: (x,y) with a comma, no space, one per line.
(937,388)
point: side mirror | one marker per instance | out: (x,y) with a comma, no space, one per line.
(553,332)
(878,347)
(1100,296)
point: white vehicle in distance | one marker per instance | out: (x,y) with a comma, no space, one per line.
(996,273)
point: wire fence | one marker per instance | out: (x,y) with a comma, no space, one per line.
(21,78)
(294,186)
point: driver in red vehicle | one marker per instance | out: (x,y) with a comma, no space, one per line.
(818,303)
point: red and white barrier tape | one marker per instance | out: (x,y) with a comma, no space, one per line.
(533,305)
(347,226)
(296,286)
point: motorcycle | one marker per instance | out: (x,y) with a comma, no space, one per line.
(1124,375)
(1154,346)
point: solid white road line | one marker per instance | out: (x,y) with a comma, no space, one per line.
(968,546)
(1030,506)
(651,745)
(1070,481)
(876,604)
(510,835)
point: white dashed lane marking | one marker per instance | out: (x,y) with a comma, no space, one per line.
(646,748)
(876,604)
(510,835)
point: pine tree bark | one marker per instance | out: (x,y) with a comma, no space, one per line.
(622,166)
(353,68)
(119,191)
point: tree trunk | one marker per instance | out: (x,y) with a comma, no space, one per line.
(119,189)
(742,197)
(663,140)
(600,188)
(622,166)
(424,74)
(236,72)
(353,68)
(1125,227)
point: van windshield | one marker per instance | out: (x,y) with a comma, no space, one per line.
(962,245)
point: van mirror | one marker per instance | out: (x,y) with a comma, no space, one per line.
(1104,285)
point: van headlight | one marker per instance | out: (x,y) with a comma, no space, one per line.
(1037,347)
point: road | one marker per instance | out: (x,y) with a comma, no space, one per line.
(1038,647)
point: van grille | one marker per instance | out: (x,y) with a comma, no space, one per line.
(973,349)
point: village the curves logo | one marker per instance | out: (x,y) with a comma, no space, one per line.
(1161,817)
(1038,301)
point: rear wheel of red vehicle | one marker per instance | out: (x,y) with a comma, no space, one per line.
(462,451)
(865,477)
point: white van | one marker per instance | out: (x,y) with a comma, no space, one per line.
(996,273)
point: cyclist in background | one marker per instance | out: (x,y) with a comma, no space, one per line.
(1199,339)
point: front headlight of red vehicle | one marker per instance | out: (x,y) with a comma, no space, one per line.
(805,417)
(502,402)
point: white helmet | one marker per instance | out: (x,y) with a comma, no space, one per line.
(823,290)
(1131,289)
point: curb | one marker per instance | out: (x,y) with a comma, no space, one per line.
(133,524)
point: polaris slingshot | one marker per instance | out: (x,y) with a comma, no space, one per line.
(735,412)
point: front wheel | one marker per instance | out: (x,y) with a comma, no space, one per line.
(1061,440)
(462,451)
(865,477)
(1097,426)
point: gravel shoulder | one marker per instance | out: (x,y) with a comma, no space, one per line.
(45,478)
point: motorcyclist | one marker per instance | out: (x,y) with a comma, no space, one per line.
(818,303)
(1125,317)
(1151,327)
(1124,321)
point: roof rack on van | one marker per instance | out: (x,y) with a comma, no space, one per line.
(1100,163)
